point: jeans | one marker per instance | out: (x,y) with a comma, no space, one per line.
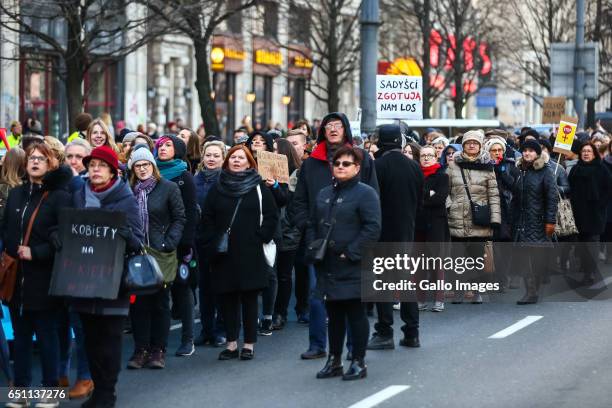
(268,295)
(150,316)
(103,343)
(284,268)
(183,303)
(353,313)
(409,313)
(70,322)
(210,314)
(44,324)
(316,329)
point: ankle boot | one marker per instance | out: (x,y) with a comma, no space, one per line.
(332,368)
(531,296)
(357,370)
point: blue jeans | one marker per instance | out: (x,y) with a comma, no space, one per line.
(71,323)
(317,329)
(45,325)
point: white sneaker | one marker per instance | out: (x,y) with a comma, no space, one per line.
(602,256)
(46,403)
(422,306)
(438,307)
(397,306)
(17,403)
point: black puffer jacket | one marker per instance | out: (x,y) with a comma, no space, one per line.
(354,210)
(166,216)
(560,175)
(534,201)
(505,173)
(33,277)
(186,185)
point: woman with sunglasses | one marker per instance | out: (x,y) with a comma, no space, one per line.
(162,213)
(352,210)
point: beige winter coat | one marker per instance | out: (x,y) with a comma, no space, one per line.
(480,178)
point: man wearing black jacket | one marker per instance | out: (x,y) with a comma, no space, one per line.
(316,174)
(401,194)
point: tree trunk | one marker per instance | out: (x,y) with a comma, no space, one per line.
(74,90)
(204,87)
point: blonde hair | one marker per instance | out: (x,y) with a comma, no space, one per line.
(215,143)
(56,147)
(110,141)
(13,168)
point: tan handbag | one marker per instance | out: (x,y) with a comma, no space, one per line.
(566,224)
(489,260)
(8,264)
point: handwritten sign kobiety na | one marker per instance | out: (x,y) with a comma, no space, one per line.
(399,97)
(91,261)
(273,166)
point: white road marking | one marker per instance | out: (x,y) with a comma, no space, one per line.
(380,396)
(516,327)
(179,325)
(602,284)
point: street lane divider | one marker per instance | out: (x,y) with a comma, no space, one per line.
(521,324)
(380,396)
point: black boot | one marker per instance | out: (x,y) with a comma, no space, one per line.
(332,368)
(531,296)
(380,342)
(356,371)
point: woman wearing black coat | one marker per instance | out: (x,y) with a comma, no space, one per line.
(103,319)
(352,210)
(534,210)
(431,219)
(591,187)
(163,218)
(32,310)
(240,273)
(171,152)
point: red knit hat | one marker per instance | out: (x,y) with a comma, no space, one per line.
(106,154)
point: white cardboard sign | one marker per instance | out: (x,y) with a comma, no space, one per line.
(399,97)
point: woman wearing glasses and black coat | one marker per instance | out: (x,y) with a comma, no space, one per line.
(352,210)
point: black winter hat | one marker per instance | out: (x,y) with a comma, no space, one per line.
(267,139)
(529,132)
(531,144)
(180,149)
(546,143)
(389,136)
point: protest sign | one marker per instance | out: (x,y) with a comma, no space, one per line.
(355,127)
(565,135)
(273,166)
(554,108)
(91,261)
(399,97)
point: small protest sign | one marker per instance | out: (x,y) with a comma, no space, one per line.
(399,97)
(554,108)
(565,135)
(91,261)
(273,166)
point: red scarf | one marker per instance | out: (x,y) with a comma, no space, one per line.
(428,171)
(104,187)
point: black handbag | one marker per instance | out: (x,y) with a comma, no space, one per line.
(481,213)
(315,251)
(223,244)
(143,276)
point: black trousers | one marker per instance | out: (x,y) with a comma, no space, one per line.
(150,316)
(588,251)
(210,314)
(409,313)
(339,313)
(231,305)
(302,284)
(103,344)
(284,267)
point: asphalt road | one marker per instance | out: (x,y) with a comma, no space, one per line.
(562,359)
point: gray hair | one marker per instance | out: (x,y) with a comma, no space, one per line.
(81,143)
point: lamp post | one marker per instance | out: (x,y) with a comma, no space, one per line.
(369,58)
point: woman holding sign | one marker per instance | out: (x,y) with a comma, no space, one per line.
(103,319)
(33,208)
(162,214)
(239,217)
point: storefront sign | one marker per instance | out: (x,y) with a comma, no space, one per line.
(227,54)
(399,97)
(300,62)
(267,58)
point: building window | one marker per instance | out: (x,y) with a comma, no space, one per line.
(270,27)
(234,22)
(262,107)
(295,109)
(101,85)
(39,93)
(224,85)
(299,25)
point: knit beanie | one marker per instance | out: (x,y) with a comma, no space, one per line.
(180,149)
(476,135)
(494,140)
(141,154)
(531,144)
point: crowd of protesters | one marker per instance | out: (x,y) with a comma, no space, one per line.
(198,203)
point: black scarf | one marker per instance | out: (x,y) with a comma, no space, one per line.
(588,176)
(238,184)
(210,175)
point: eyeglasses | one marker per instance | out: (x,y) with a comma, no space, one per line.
(450,153)
(496,150)
(472,143)
(334,126)
(339,163)
(428,156)
(41,159)
(142,166)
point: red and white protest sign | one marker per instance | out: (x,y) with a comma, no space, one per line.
(399,97)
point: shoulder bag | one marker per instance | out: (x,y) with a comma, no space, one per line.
(223,244)
(269,248)
(481,213)
(566,224)
(143,275)
(8,264)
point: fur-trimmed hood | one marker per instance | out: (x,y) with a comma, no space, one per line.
(57,179)
(538,164)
